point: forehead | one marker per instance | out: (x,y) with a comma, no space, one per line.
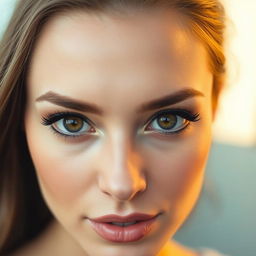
(105,52)
(94,34)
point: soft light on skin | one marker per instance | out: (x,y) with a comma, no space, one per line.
(119,64)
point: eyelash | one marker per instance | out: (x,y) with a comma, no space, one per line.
(188,117)
(49,120)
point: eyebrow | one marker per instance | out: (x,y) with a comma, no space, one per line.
(170,99)
(67,102)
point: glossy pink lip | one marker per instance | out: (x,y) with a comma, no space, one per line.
(123,234)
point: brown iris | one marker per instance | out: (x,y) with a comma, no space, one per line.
(167,121)
(73,124)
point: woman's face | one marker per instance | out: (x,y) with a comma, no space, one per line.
(118,124)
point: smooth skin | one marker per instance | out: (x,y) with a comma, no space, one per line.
(122,162)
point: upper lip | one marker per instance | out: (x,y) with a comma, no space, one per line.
(128,218)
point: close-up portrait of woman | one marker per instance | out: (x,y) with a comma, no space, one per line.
(106,112)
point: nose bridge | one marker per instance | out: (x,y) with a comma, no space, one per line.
(123,154)
(122,175)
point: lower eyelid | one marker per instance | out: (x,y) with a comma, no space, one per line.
(168,134)
(69,138)
(152,130)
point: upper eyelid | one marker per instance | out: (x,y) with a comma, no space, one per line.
(67,113)
(175,111)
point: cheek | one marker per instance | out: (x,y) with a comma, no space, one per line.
(63,177)
(177,173)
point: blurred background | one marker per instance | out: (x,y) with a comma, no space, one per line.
(224,216)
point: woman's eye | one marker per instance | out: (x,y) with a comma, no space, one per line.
(72,125)
(68,125)
(171,122)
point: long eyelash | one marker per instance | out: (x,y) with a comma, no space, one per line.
(52,118)
(186,114)
(48,120)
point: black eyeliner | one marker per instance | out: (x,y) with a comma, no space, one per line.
(188,115)
(52,118)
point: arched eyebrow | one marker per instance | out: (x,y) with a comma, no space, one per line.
(170,99)
(167,100)
(68,102)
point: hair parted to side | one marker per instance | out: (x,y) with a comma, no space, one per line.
(23,213)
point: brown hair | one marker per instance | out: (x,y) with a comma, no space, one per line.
(23,213)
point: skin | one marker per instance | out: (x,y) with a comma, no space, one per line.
(119,63)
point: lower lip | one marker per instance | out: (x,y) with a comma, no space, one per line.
(117,234)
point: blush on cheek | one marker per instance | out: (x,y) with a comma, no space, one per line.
(62,179)
(178,174)
(57,180)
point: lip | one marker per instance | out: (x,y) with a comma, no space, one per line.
(123,234)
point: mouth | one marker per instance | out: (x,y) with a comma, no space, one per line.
(124,229)
(123,224)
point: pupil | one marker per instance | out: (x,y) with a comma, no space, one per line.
(167,121)
(74,124)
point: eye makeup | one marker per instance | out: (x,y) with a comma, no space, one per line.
(70,120)
(166,122)
(181,117)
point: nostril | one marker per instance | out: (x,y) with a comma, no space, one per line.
(122,191)
(122,180)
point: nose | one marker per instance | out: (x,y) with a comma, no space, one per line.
(121,176)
